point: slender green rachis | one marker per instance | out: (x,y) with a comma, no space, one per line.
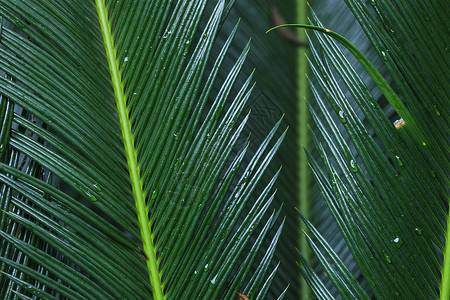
(130,152)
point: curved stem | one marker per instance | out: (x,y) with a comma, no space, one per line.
(379,80)
(130,152)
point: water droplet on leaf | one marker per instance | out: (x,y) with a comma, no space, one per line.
(342,116)
(90,196)
(353,166)
(213,281)
(436,110)
(397,241)
(399,161)
(97,187)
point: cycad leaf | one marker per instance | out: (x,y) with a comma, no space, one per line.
(117,158)
(388,194)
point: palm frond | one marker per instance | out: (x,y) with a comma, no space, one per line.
(387,193)
(117,166)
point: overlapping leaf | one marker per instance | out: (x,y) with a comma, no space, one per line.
(387,194)
(117,158)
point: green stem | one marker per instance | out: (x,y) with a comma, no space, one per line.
(379,80)
(304,175)
(445,283)
(130,152)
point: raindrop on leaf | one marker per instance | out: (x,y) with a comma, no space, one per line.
(90,196)
(97,187)
(213,281)
(399,161)
(353,166)
(397,241)
(436,110)
(342,116)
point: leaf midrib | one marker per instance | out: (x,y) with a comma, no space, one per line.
(130,152)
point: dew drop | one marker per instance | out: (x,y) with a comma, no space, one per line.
(372,104)
(2,148)
(384,55)
(97,187)
(166,35)
(126,59)
(399,161)
(342,116)
(247,176)
(213,281)
(397,241)
(418,231)
(373,2)
(388,259)
(90,196)
(206,267)
(154,194)
(195,272)
(353,166)
(436,110)
(175,135)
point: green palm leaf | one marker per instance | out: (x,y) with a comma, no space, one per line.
(117,157)
(388,193)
